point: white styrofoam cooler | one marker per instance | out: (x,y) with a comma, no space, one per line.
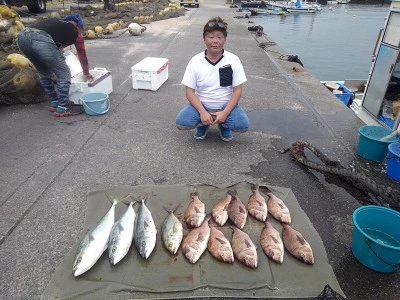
(102,79)
(150,73)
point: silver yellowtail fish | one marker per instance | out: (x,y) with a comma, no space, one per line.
(220,210)
(257,206)
(94,244)
(271,243)
(297,245)
(172,232)
(121,235)
(195,242)
(195,212)
(145,231)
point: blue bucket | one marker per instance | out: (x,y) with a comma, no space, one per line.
(393,161)
(370,145)
(376,238)
(95,103)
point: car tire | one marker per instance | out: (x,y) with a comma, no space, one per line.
(197,5)
(38,6)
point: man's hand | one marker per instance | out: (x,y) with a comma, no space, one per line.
(88,77)
(206,118)
(219,117)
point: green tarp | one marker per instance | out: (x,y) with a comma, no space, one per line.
(166,276)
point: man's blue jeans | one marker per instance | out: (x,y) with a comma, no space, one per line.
(189,118)
(48,59)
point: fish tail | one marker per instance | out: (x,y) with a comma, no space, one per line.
(255,187)
(194,194)
(169,210)
(233,193)
(176,208)
(115,200)
(266,190)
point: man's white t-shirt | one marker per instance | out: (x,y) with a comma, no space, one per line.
(204,77)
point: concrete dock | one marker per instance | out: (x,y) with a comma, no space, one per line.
(49,165)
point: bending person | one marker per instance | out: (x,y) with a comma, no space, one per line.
(42,44)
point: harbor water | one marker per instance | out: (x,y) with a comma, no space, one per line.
(335,43)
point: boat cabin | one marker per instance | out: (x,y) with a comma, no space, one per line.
(380,103)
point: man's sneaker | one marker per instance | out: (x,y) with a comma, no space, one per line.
(201,132)
(53,106)
(68,110)
(225,133)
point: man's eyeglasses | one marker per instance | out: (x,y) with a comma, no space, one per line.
(217,23)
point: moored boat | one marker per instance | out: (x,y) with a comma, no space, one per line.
(253,3)
(261,11)
(297,7)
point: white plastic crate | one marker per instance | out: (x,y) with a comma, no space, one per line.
(150,73)
(102,82)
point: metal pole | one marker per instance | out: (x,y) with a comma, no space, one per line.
(396,122)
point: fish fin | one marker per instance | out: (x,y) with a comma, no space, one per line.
(225,207)
(274,239)
(300,239)
(175,228)
(194,194)
(248,243)
(91,238)
(242,210)
(201,237)
(259,202)
(198,210)
(120,227)
(281,206)
(221,241)
(146,225)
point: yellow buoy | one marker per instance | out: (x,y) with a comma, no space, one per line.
(90,34)
(20,61)
(98,29)
(7,13)
(19,26)
(109,29)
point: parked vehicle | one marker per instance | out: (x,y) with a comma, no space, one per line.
(189,2)
(34,6)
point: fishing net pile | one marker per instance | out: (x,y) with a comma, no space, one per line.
(19,80)
(100,23)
